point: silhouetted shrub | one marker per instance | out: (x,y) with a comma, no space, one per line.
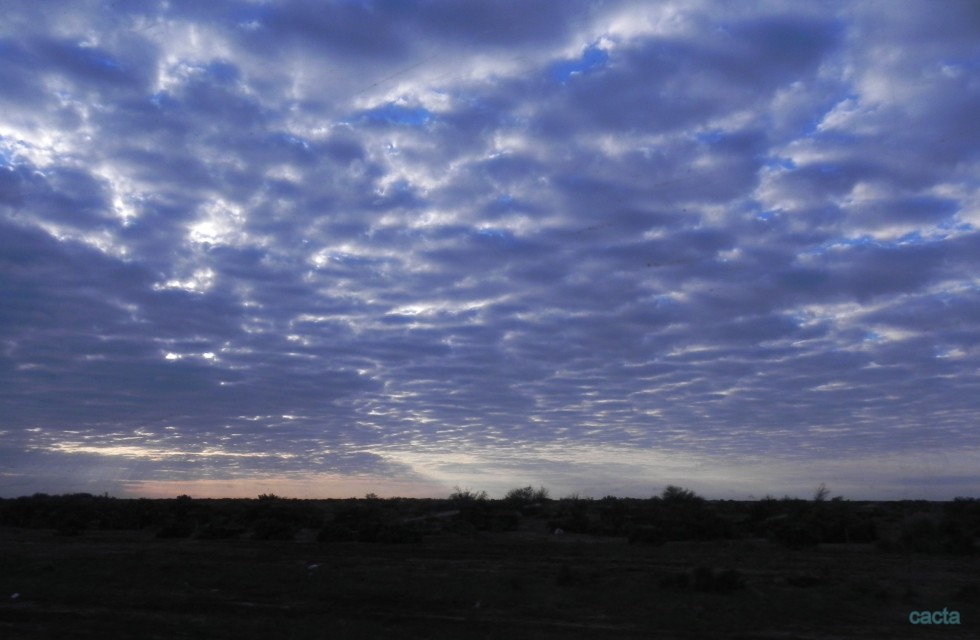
(573,515)
(762,511)
(673,494)
(616,517)
(839,522)
(683,515)
(526,495)
(460,497)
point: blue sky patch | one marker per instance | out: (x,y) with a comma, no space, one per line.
(398,115)
(592,58)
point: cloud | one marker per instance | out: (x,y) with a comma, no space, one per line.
(300,242)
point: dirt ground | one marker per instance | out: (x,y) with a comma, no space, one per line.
(510,585)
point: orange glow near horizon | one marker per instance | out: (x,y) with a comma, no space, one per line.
(308,487)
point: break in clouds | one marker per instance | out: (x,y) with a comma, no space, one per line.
(325,248)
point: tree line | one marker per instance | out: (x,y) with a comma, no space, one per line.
(676,514)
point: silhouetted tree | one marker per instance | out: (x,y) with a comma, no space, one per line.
(821,493)
(464,496)
(526,495)
(677,494)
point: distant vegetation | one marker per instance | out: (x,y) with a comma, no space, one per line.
(676,514)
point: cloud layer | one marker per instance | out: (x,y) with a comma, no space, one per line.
(599,246)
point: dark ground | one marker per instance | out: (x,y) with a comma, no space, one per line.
(521,584)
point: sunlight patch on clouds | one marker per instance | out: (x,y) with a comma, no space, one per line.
(189,49)
(200,281)
(101,240)
(220,223)
(40,147)
(446,306)
(893,334)
(966,194)
(207,356)
(849,115)
(125,198)
(153,453)
(640,21)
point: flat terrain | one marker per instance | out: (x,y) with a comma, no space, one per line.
(507,585)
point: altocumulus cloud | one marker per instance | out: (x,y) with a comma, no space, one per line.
(325,248)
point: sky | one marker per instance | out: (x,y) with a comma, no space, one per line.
(322,249)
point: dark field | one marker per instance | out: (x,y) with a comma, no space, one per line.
(516,584)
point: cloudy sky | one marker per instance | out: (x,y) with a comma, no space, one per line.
(329,248)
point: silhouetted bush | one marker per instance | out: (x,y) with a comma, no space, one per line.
(616,517)
(526,495)
(683,515)
(460,497)
(674,495)
(572,520)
